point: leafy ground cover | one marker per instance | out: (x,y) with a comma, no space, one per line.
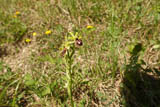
(117,65)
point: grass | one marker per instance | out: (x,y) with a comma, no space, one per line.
(118,64)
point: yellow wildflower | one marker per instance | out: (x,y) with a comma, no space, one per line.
(34,34)
(14,16)
(48,32)
(89,27)
(17,13)
(28,40)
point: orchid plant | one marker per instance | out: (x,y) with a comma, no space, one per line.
(67,51)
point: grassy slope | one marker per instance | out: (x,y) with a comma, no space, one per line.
(119,58)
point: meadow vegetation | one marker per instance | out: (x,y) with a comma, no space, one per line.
(117,62)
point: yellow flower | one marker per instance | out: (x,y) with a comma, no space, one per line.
(14,16)
(28,40)
(17,13)
(48,32)
(89,27)
(34,34)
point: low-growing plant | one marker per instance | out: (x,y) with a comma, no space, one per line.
(12,28)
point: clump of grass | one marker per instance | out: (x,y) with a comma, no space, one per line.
(13,29)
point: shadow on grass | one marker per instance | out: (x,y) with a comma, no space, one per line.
(141,87)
